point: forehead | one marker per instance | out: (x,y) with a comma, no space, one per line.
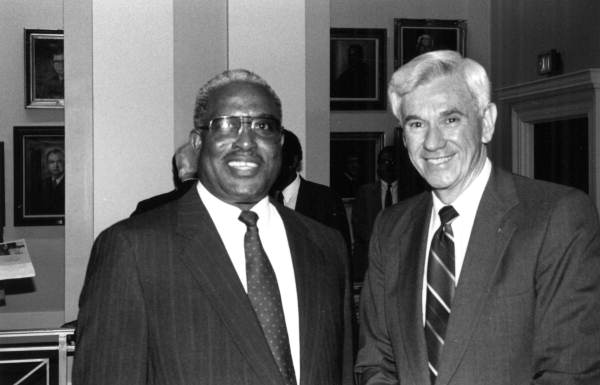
(241,98)
(438,95)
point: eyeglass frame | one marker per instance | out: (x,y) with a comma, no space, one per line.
(246,119)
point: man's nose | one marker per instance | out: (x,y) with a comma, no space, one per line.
(434,138)
(246,137)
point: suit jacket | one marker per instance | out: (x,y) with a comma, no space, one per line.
(162,304)
(161,199)
(322,204)
(527,306)
(51,197)
(365,208)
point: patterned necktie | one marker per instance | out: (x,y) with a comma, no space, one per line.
(263,292)
(440,288)
(388,195)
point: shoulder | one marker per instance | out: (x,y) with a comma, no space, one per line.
(539,195)
(314,187)
(323,192)
(303,226)
(145,224)
(551,199)
(405,213)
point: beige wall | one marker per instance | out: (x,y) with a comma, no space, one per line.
(28,301)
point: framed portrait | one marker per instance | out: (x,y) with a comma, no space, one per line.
(39,161)
(358,73)
(44,69)
(413,37)
(353,161)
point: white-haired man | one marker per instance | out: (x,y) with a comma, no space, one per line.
(490,278)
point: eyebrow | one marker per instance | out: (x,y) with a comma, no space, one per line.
(452,112)
(410,117)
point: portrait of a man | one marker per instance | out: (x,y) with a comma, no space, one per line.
(51,193)
(414,37)
(45,68)
(357,68)
(39,175)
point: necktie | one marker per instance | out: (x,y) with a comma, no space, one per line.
(388,195)
(263,293)
(279,196)
(440,288)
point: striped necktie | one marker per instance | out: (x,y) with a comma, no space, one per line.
(440,288)
(263,292)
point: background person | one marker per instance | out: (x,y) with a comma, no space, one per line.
(185,164)
(370,199)
(492,278)
(314,200)
(167,297)
(51,196)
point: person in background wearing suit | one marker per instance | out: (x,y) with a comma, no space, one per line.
(370,199)
(491,278)
(52,187)
(314,200)
(219,286)
(185,163)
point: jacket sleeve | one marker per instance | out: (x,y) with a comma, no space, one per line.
(111,345)
(375,361)
(567,316)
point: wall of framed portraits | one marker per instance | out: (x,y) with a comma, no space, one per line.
(41,298)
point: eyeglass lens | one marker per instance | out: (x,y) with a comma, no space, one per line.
(230,125)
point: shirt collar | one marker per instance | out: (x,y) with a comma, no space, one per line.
(218,208)
(384,184)
(291,189)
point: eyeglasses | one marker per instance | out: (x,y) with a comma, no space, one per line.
(263,126)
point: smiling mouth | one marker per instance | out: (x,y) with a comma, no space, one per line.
(242,165)
(439,160)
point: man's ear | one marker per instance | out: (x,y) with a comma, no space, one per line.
(196,139)
(488,123)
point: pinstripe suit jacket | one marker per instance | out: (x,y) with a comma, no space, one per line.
(527,306)
(162,304)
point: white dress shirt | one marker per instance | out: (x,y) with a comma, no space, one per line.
(275,243)
(466,206)
(290,193)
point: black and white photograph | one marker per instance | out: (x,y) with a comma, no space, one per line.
(44,71)
(413,37)
(357,68)
(40,175)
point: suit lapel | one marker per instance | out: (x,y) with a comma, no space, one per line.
(206,258)
(300,202)
(408,272)
(307,259)
(487,244)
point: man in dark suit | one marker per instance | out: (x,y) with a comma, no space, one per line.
(52,187)
(220,286)
(370,199)
(185,163)
(314,200)
(502,287)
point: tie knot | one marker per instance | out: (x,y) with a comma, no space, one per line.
(249,218)
(447,214)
